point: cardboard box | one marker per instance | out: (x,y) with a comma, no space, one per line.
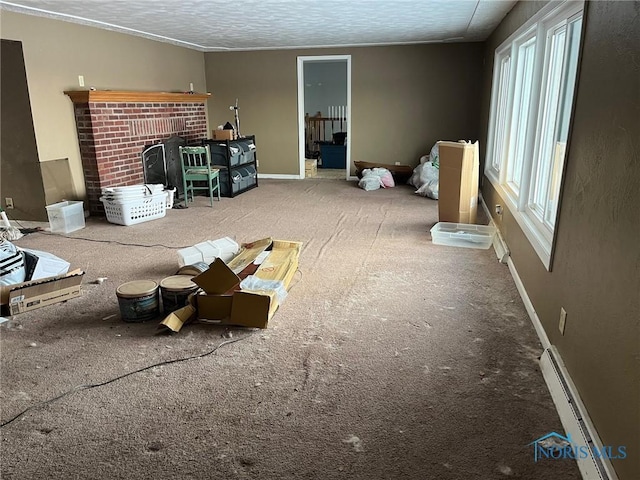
(310,168)
(178,318)
(458,182)
(27,296)
(223,134)
(224,302)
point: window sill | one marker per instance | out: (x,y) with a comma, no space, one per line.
(537,240)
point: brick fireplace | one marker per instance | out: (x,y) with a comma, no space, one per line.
(115,126)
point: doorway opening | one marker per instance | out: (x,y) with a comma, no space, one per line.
(324,113)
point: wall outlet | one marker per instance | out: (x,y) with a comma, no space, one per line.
(81,80)
(563,320)
(8,201)
(498,209)
(397,163)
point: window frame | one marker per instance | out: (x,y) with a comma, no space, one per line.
(517,194)
(540,233)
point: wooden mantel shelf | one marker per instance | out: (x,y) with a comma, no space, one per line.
(121,96)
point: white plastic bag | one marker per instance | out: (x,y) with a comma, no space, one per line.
(434,155)
(386,178)
(430,177)
(425,176)
(370,180)
(43,264)
(414,179)
(12,269)
(256,284)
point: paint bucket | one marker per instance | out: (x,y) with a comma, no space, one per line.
(138,300)
(193,270)
(175,291)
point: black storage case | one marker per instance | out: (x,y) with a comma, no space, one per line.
(237,161)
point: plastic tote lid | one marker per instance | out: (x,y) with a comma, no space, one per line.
(137,288)
(177,283)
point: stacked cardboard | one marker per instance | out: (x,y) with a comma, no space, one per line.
(310,167)
(224,302)
(458,189)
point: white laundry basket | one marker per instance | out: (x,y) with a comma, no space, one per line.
(131,212)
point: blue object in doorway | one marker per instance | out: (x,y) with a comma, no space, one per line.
(333,156)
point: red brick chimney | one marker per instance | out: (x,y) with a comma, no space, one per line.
(115,126)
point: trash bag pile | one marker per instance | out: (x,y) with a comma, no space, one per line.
(426,175)
(375,178)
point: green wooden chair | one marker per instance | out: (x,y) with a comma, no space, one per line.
(196,167)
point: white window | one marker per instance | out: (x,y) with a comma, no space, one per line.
(532,95)
(502,110)
(520,114)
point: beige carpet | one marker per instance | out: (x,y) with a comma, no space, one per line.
(391,358)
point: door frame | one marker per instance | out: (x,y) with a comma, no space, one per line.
(301,112)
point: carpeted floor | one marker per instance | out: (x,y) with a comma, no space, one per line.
(391,358)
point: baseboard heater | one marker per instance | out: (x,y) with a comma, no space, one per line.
(571,410)
(499,245)
(573,417)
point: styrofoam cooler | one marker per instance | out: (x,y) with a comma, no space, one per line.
(207,251)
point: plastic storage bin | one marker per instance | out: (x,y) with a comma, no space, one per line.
(236,179)
(463,235)
(219,153)
(248,151)
(333,156)
(248,176)
(237,161)
(66,217)
(130,212)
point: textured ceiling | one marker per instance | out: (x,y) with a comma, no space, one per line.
(216,25)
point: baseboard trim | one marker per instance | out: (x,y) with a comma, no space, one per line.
(542,335)
(279,176)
